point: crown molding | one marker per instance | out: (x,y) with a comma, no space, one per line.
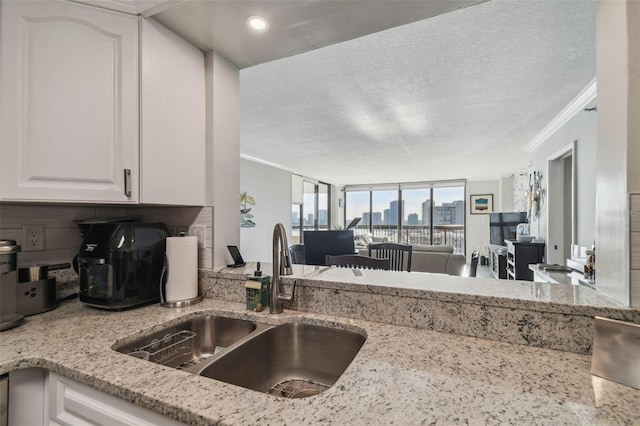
(587,95)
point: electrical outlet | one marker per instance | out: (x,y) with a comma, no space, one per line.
(199,231)
(33,238)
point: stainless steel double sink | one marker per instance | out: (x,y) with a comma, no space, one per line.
(292,360)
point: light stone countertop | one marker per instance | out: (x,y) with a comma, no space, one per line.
(401,375)
(447,286)
(547,297)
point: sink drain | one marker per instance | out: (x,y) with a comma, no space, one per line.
(297,388)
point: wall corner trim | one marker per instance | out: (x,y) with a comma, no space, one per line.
(587,95)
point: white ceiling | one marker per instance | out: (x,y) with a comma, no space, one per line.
(454,96)
(297,26)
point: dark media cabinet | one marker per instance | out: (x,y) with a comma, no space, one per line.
(498,261)
(519,256)
(512,262)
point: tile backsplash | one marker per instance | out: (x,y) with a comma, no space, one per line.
(62,236)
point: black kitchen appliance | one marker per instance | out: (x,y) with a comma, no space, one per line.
(120,264)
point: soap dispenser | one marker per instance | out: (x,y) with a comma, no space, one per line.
(257,288)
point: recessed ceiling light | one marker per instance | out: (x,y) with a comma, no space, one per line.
(257,23)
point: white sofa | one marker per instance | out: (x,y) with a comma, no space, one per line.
(434,259)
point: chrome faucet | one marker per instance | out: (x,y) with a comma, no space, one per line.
(281,267)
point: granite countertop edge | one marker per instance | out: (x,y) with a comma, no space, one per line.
(534,296)
(394,375)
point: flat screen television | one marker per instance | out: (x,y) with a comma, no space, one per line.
(318,244)
(502,226)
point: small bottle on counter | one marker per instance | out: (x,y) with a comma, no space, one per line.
(257,288)
(590,267)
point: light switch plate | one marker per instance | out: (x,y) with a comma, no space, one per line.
(33,238)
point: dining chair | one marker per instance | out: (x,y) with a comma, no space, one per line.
(357,261)
(399,255)
(473,267)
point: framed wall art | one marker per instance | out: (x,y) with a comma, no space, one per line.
(481,204)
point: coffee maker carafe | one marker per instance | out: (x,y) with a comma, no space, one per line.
(120,264)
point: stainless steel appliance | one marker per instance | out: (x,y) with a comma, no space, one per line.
(616,351)
(120,264)
(36,291)
(9,317)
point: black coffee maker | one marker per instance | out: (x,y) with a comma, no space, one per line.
(120,264)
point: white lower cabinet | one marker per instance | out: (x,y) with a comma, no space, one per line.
(38,397)
(72,403)
(27,397)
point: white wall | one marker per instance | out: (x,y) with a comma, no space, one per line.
(507,194)
(581,128)
(478,224)
(271,189)
(633,146)
(223,153)
(618,66)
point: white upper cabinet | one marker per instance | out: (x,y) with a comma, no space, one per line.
(69,108)
(81,121)
(172,119)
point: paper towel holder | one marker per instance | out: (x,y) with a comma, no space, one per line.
(177,303)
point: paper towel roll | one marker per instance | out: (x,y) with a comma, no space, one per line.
(182,268)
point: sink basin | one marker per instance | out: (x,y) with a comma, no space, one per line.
(190,342)
(291,360)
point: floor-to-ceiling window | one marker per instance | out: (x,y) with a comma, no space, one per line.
(416,213)
(385,213)
(323,206)
(358,204)
(448,217)
(416,228)
(315,211)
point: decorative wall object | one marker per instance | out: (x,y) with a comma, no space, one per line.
(481,204)
(534,195)
(521,191)
(246,217)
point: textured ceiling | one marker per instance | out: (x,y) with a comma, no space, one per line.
(296,26)
(454,96)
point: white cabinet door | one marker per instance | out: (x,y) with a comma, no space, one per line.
(71,403)
(69,108)
(172,146)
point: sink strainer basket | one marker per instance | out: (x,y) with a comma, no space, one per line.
(297,388)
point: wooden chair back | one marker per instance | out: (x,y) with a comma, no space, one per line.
(357,261)
(399,255)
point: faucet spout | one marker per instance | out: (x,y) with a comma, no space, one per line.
(281,267)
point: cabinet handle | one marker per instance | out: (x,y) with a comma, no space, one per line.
(127,182)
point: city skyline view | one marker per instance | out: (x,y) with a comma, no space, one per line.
(445,214)
(414,202)
(420,222)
